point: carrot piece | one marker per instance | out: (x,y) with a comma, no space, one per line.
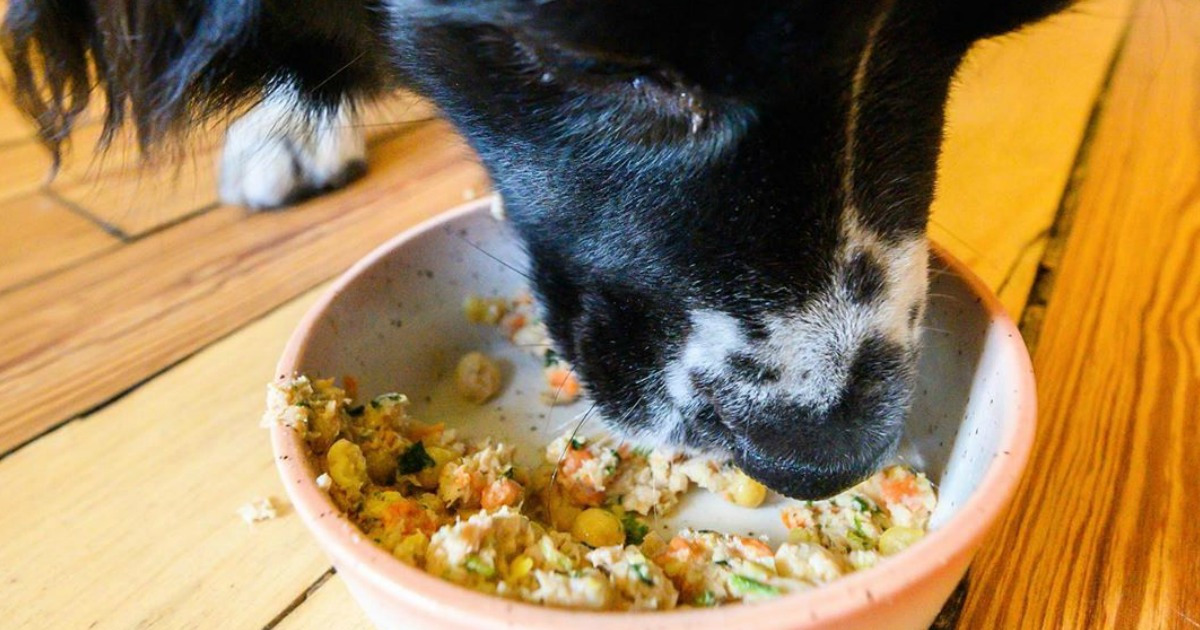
(896,490)
(758,547)
(792,519)
(421,431)
(563,385)
(501,492)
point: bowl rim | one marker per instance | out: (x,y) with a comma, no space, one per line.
(955,541)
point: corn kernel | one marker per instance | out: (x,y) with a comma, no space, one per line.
(745,491)
(801,536)
(520,567)
(898,539)
(597,527)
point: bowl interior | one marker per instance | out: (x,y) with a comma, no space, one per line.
(398,325)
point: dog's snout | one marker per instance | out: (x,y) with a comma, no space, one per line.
(812,442)
(805,453)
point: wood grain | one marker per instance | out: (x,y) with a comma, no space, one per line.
(1015,121)
(41,235)
(128,518)
(121,189)
(24,166)
(1104,530)
(85,335)
(328,605)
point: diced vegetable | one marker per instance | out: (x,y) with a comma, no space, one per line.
(635,529)
(745,491)
(642,572)
(479,566)
(597,527)
(743,586)
(414,460)
(897,539)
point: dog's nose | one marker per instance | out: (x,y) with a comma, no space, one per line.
(807,445)
(808,454)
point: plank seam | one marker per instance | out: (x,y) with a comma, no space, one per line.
(1056,235)
(83,212)
(300,599)
(100,406)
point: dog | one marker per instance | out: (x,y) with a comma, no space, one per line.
(724,204)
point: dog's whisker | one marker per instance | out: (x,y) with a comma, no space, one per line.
(495,258)
(557,393)
(345,66)
(395,123)
(946,296)
(566,447)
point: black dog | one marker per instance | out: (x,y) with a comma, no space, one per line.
(725,203)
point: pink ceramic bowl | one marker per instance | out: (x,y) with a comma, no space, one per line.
(394,321)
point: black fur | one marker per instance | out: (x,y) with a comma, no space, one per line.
(656,158)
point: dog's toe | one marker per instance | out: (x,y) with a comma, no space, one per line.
(281,152)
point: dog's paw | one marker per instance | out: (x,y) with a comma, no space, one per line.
(282,151)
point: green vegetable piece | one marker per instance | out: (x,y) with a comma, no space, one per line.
(479,566)
(750,586)
(862,504)
(388,399)
(551,358)
(642,572)
(705,600)
(857,537)
(414,460)
(635,529)
(577,444)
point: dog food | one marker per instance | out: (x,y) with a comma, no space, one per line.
(574,531)
(517,319)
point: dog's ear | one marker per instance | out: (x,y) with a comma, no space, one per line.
(165,64)
(964,22)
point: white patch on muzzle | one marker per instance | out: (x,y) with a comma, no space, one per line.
(811,349)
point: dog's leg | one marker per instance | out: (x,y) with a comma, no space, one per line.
(285,149)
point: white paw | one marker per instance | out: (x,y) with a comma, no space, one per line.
(281,152)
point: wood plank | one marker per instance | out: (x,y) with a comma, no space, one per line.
(41,235)
(134,197)
(327,606)
(127,518)
(124,191)
(14,126)
(26,167)
(83,336)
(1016,119)
(1104,532)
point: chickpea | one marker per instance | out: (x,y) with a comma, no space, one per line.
(347,466)
(897,539)
(597,527)
(477,378)
(745,491)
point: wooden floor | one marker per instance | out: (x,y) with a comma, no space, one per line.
(140,320)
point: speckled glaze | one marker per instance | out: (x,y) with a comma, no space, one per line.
(394,321)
